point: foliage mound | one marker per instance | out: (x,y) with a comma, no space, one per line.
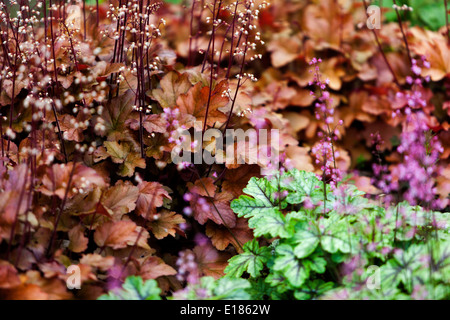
(94,98)
(341,247)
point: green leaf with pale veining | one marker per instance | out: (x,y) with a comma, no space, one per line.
(252,260)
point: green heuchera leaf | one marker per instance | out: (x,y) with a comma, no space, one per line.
(441,261)
(135,289)
(363,293)
(414,221)
(271,223)
(336,236)
(331,233)
(274,287)
(410,267)
(279,286)
(302,185)
(212,289)
(263,192)
(307,238)
(252,260)
(352,197)
(312,289)
(316,264)
(404,268)
(232,289)
(263,209)
(278,280)
(295,271)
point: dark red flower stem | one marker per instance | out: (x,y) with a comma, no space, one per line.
(84,19)
(61,208)
(233,102)
(12,98)
(191,29)
(212,40)
(116,49)
(26,228)
(60,135)
(380,49)
(400,23)
(446,20)
(233,25)
(133,249)
(71,46)
(16,217)
(98,18)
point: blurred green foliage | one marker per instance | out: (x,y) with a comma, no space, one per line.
(429,14)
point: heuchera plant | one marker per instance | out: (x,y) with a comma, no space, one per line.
(352,250)
(328,253)
(94,96)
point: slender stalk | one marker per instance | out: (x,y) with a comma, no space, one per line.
(233,25)
(96,5)
(27,225)
(60,135)
(212,40)
(44,3)
(147,215)
(97,207)
(16,217)
(72,47)
(199,19)
(400,23)
(142,79)
(61,208)
(12,99)
(341,27)
(115,48)
(221,49)
(395,227)
(233,102)
(64,9)
(55,71)
(380,49)
(1,136)
(191,28)
(446,20)
(84,19)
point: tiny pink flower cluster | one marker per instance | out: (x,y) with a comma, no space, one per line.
(324,150)
(419,148)
(174,132)
(187,267)
(421,151)
(414,98)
